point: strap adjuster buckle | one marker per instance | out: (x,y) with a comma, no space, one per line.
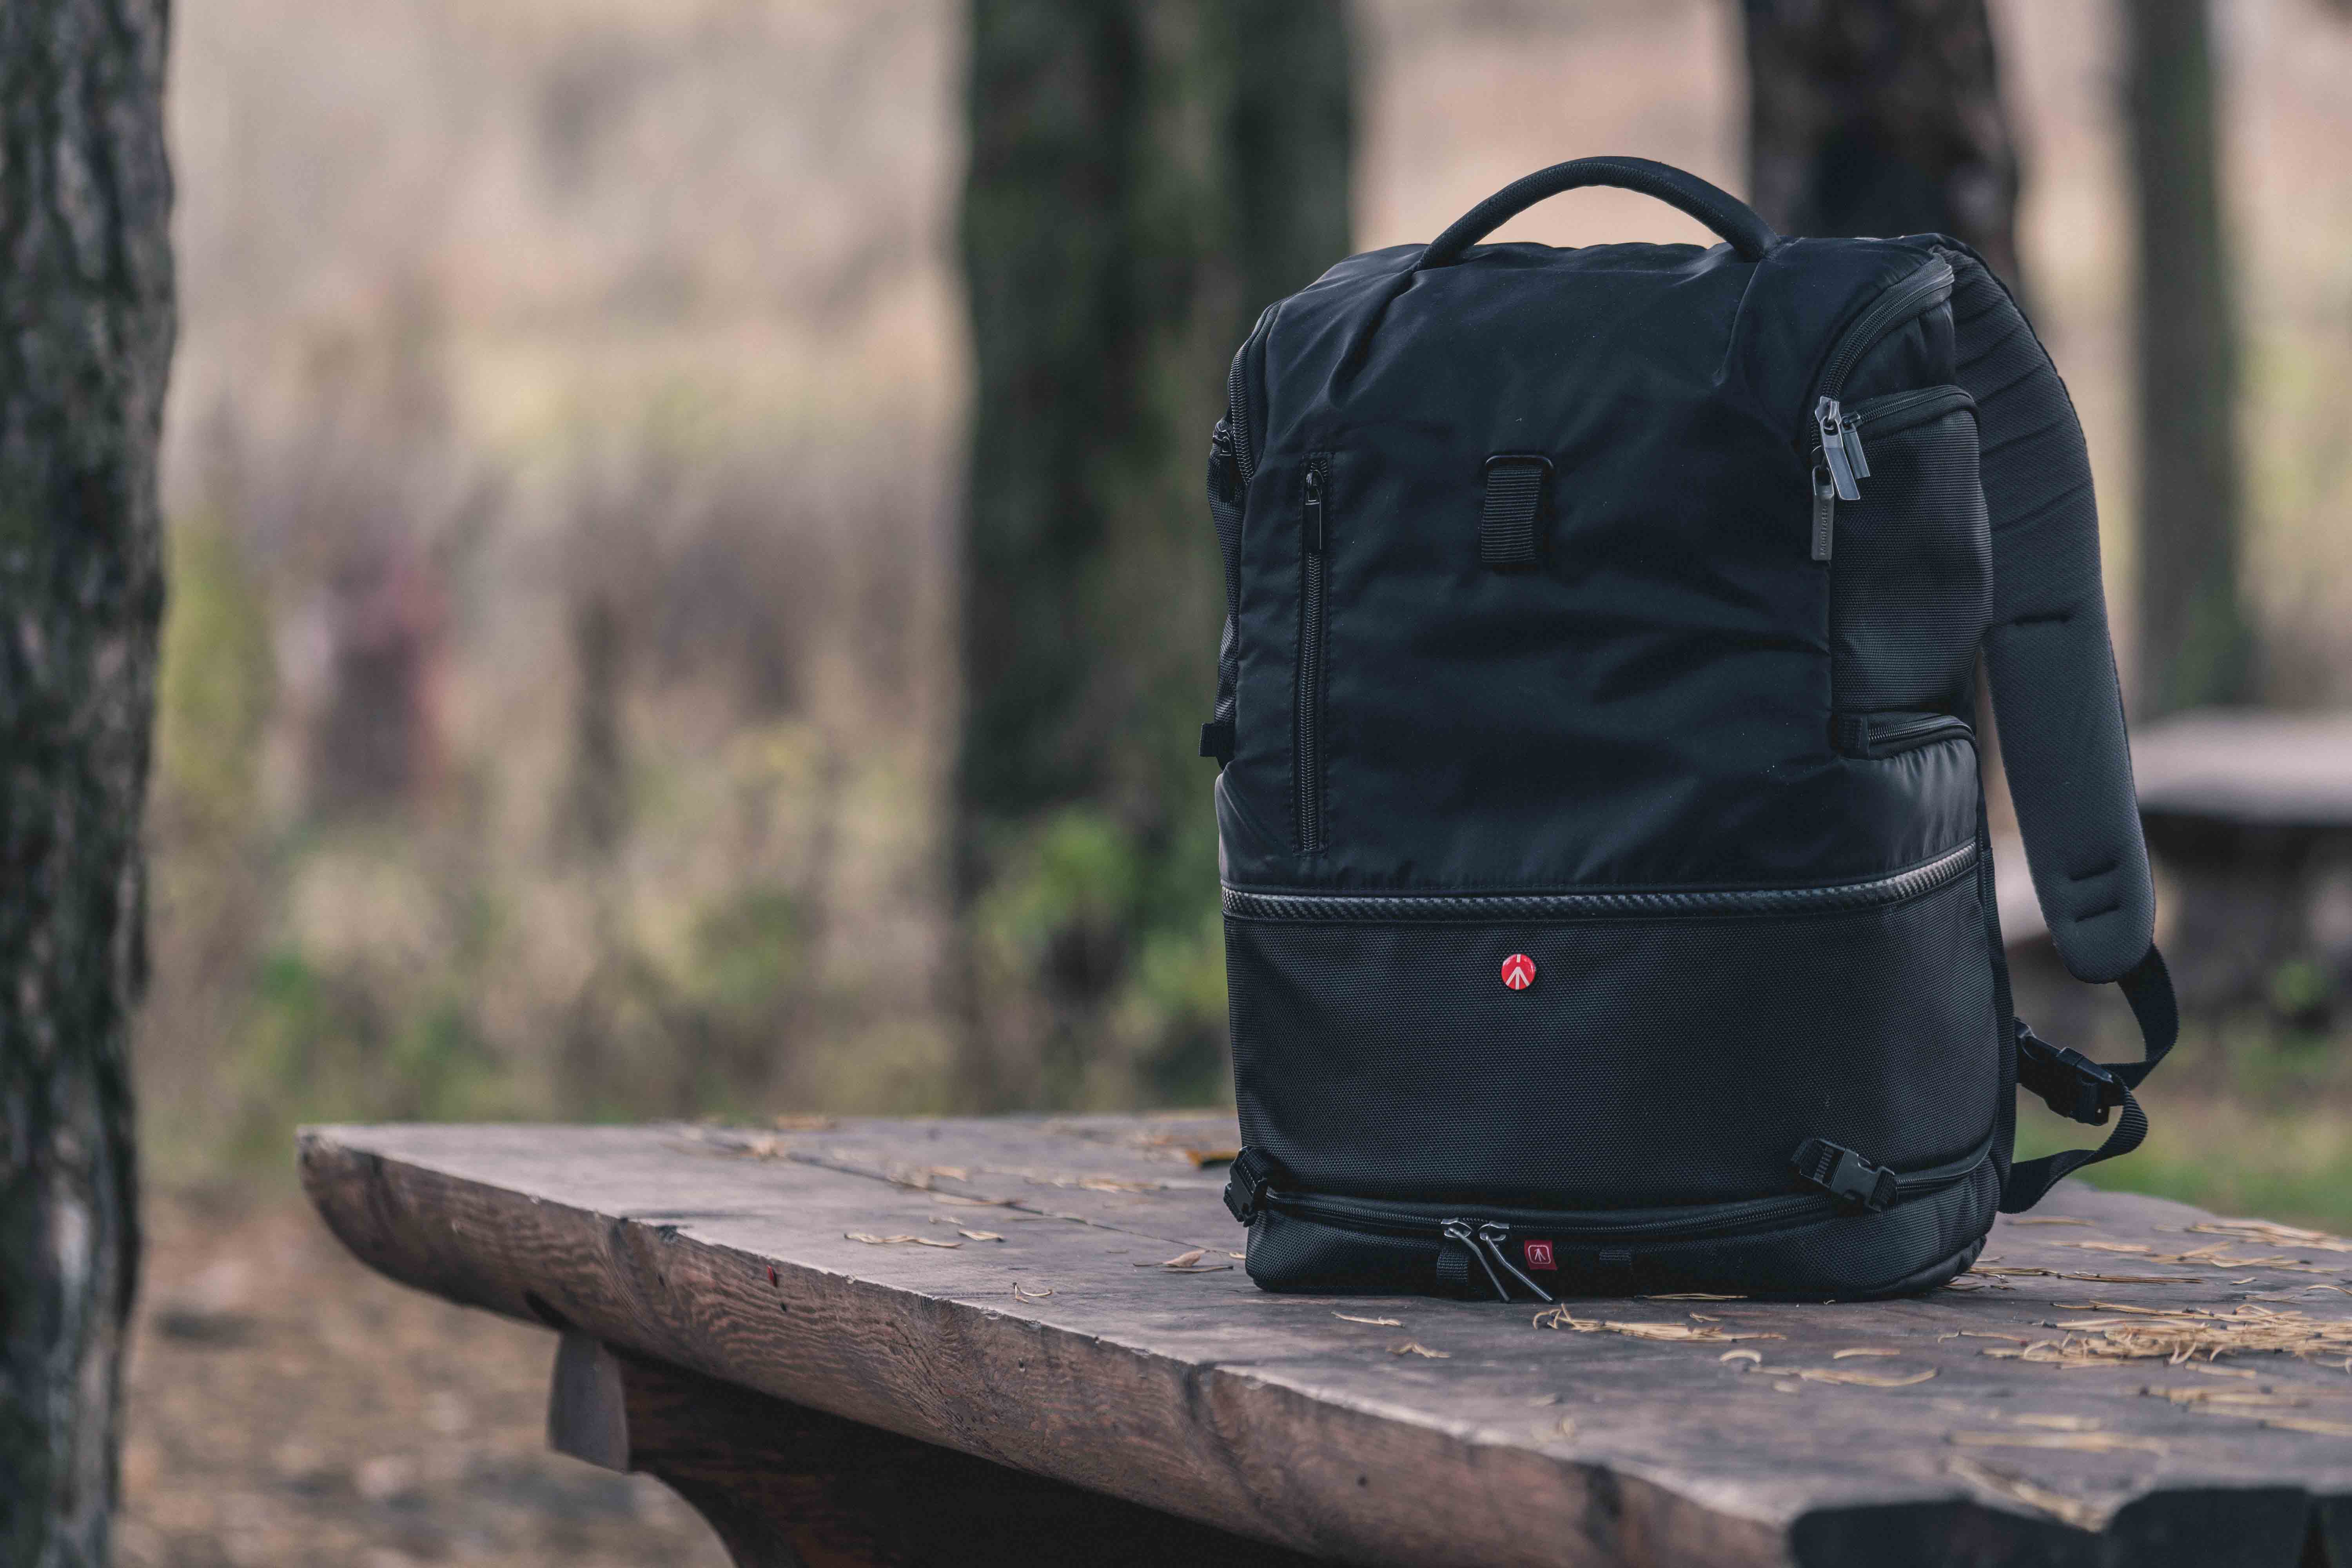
(1245,1187)
(1858,1185)
(2069,1082)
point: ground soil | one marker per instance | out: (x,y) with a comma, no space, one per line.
(286,1406)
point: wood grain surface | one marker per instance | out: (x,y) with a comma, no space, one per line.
(1436,1432)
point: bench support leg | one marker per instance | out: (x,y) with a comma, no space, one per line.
(788,1486)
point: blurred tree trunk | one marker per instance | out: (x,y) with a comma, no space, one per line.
(2196,644)
(1144,177)
(1881,117)
(85,300)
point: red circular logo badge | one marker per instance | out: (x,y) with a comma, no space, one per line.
(1518,972)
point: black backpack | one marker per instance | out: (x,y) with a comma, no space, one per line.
(1608,901)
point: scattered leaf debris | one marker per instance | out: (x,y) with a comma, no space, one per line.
(2183,1334)
(872,1240)
(979,1236)
(1023,1293)
(1203,1157)
(1376,1323)
(1410,1347)
(1861,1350)
(2270,1234)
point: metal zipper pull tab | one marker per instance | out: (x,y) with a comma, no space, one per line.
(1314,511)
(1850,437)
(1458,1231)
(1825,511)
(1829,421)
(1493,1235)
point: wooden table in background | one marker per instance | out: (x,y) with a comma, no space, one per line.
(744,1315)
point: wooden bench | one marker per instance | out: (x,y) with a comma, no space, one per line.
(2250,814)
(1028,1341)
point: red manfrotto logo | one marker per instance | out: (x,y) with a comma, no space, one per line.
(1518,972)
(1539,1255)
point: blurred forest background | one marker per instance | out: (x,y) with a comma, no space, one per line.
(568,464)
(565,466)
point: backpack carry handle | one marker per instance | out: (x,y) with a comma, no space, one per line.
(1721,211)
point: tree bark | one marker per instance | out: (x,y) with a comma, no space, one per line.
(1881,117)
(86,327)
(1145,176)
(2196,643)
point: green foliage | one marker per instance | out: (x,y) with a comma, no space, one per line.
(2246,1118)
(216,683)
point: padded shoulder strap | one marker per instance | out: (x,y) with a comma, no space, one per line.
(2055,692)
(2061,712)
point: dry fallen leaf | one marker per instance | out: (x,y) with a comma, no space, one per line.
(1377,1322)
(979,1236)
(1182,1260)
(1203,1157)
(2061,1422)
(1865,1379)
(1741,1355)
(872,1240)
(2017,1488)
(1860,1350)
(1021,1293)
(1561,1318)
(1409,1348)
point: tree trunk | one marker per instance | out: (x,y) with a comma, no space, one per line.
(85,324)
(2196,644)
(1881,117)
(1145,176)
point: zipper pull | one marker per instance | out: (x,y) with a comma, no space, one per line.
(1314,515)
(1850,437)
(1493,1235)
(1829,421)
(1458,1231)
(1825,511)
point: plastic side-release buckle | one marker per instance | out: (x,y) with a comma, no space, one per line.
(2069,1082)
(1845,1175)
(1245,1187)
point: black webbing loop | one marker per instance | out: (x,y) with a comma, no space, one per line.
(1507,525)
(2071,1084)
(1721,211)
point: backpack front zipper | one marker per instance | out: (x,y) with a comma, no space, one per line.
(1307,742)
(1835,437)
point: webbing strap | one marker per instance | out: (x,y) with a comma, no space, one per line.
(1507,525)
(2074,1086)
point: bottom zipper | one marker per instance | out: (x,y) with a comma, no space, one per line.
(1481,1233)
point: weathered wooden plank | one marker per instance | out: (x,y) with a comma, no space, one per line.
(1290,1420)
(2250,767)
(786,1486)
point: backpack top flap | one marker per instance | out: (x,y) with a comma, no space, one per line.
(1649,702)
